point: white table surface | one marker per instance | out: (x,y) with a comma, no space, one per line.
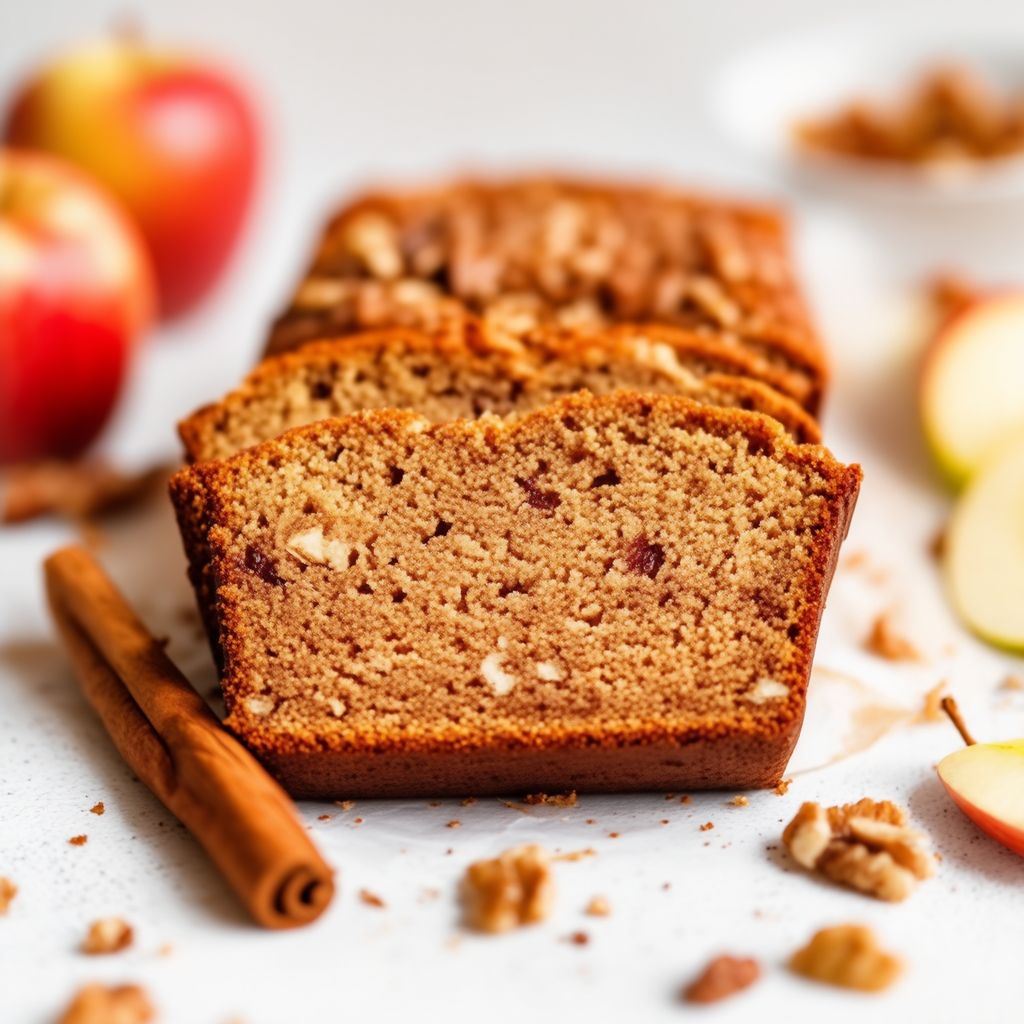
(357,90)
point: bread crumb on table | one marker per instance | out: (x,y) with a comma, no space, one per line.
(578,938)
(78,840)
(707,826)
(109,1004)
(8,890)
(574,855)
(552,799)
(598,907)
(454,823)
(865,846)
(97,808)
(371,899)
(782,788)
(849,956)
(107,935)
(886,641)
(739,801)
(723,977)
(514,889)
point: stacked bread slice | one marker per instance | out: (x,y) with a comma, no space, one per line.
(513,539)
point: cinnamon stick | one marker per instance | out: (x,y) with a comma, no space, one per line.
(175,744)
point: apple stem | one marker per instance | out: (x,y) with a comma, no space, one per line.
(951,709)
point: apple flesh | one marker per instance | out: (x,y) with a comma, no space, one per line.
(76,292)
(972,384)
(984,550)
(173,139)
(986,781)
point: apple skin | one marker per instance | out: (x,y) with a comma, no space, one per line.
(990,400)
(1003,763)
(76,293)
(173,138)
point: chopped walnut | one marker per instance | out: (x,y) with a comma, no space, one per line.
(108,935)
(103,1004)
(722,977)
(847,955)
(931,711)
(8,890)
(72,490)
(514,889)
(887,642)
(552,799)
(866,846)
(598,907)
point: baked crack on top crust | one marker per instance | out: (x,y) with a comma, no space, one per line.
(531,253)
(609,593)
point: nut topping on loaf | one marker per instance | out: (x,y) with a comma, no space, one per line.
(534,253)
(501,624)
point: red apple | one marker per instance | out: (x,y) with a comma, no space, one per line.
(173,138)
(76,291)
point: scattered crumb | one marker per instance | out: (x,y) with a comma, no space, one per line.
(723,977)
(783,787)
(97,808)
(591,821)
(428,895)
(8,890)
(107,935)
(847,955)
(345,805)
(1012,682)
(552,800)
(165,950)
(324,817)
(613,835)
(434,803)
(684,799)
(739,800)
(78,840)
(707,826)
(664,821)
(665,886)
(598,907)
(454,823)
(514,889)
(357,821)
(371,899)
(72,490)
(670,796)
(578,938)
(885,641)
(931,711)
(103,1004)
(468,801)
(574,855)
(866,846)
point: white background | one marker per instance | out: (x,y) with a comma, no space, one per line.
(357,91)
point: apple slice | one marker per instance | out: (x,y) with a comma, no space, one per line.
(972,385)
(986,781)
(984,551)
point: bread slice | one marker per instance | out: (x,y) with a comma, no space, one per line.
(535,252)
(464,372)
(609,593)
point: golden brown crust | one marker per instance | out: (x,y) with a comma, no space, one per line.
(531,252)
(748,750)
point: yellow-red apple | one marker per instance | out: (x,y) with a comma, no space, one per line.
(986,781)
(76,292)
(172,137)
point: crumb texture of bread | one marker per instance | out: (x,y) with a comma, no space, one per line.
(465,371)
(494,605)
(536,252)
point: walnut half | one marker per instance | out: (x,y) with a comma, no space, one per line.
(866,846)
(512,890)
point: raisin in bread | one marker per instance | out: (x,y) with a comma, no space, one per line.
(609,593)
(465,372)
(534,252)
